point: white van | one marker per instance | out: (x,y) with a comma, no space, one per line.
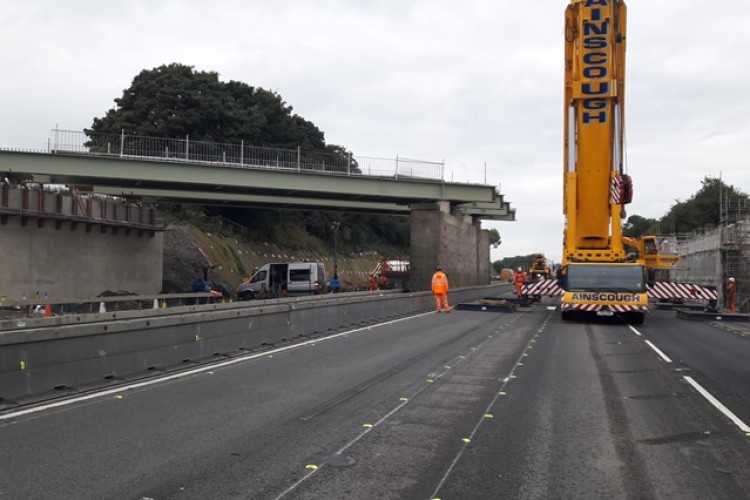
(284,279)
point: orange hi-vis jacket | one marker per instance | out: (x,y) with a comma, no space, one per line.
(439,282)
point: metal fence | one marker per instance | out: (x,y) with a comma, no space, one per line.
(240,155)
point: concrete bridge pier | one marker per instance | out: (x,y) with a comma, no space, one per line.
(450,239)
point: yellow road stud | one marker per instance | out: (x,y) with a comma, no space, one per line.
(466,440)
(488,415)
(367,426)
(311,467)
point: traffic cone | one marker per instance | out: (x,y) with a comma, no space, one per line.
(48,310)
(156,303)
(102,308)
(164,304)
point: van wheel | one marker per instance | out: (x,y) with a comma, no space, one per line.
(248,295)
(566,315)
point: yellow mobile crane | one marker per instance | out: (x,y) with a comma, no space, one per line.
(597,276)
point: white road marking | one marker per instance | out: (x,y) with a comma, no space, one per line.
(636,331)
(719,406)
(661,354)
(187,373)
(703,392)
(487,411)
(402,403)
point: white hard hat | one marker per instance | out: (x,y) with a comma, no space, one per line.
(731,280)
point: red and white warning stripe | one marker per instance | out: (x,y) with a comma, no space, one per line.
(615,190)
(664,290)
(658,290)
(545,287)
(598,307)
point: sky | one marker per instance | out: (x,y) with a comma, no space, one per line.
(477,84)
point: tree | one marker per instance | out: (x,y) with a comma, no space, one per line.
(702,210)
(637,226)
(512,262)
(495,240)
(175,101)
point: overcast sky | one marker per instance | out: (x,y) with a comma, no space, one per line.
(467,82)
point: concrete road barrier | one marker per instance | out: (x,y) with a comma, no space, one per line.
(49,357)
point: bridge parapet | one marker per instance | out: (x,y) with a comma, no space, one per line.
(240,155)
(33,203)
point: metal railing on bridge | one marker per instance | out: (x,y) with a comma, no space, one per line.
(240,155)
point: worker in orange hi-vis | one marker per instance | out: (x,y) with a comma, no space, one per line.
(440,290)
(382,282)
(518,279)
(732,295)
(372,285)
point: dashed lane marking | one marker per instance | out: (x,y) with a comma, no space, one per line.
(634,330)
(658,351)
(719,406)
(403,401)
(703,392)
(501,392)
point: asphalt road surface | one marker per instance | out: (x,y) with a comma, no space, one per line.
(467,405)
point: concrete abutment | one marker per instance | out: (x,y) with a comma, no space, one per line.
(66,245)
(456,242)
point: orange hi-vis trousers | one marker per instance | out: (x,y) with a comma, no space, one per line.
(442,298)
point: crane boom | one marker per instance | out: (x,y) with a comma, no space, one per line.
(596,274)
(594,99)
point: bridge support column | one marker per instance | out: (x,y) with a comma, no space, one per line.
(453,241)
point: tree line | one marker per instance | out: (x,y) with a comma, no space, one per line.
(713,204)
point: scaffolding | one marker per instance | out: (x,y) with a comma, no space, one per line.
(735,259)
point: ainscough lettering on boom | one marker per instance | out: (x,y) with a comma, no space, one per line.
(596,61)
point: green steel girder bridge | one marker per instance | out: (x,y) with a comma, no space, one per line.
(247,182)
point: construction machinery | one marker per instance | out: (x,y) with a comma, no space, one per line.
(597,276)
(392,273)
(539,267)
(657,252)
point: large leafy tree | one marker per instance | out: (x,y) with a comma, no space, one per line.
(175,101)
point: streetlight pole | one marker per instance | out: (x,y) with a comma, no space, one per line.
(335,226)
